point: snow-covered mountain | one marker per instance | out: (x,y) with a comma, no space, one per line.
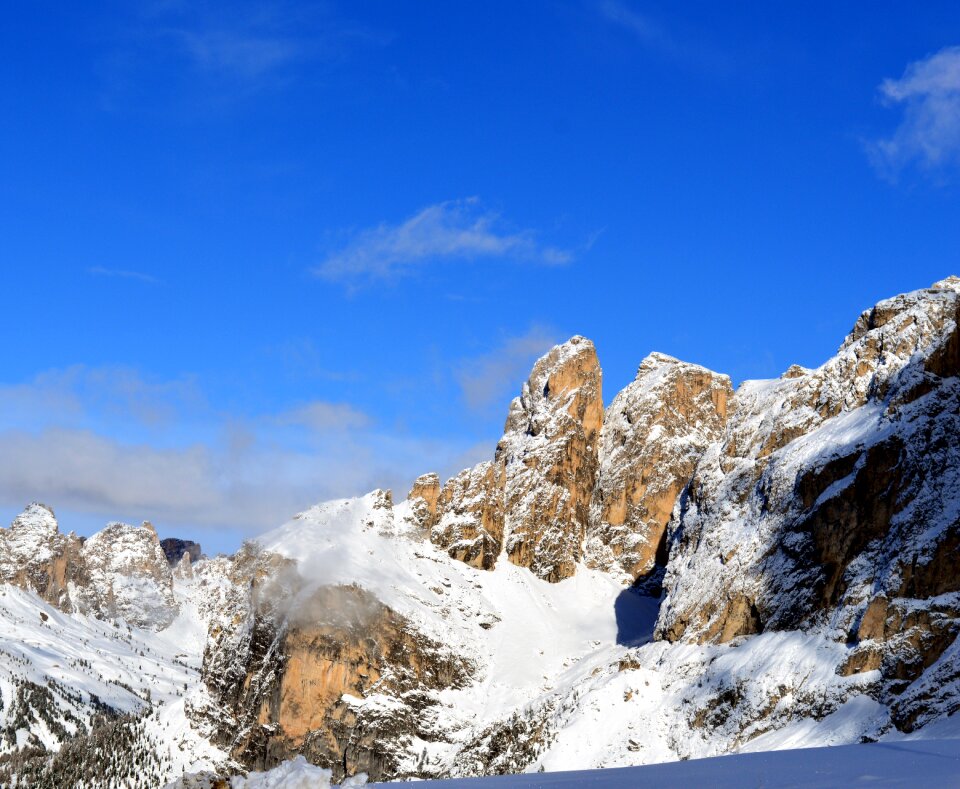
(691,572)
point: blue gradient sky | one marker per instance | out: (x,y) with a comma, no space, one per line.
(255,256)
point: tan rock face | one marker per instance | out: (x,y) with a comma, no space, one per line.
(654,432)
(291,667)
(549,456)
(469,524)
(423,498)
(533,501)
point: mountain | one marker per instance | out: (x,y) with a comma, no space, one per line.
(692,571)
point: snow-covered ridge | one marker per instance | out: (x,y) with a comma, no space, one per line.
(807,528)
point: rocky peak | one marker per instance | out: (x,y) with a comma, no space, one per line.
(653,435)
(424,496)
(566,487)
(35,555)
(36,519)
(549,460)
(127,576)
(562,393)
(537,489)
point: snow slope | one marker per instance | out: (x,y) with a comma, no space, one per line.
(59,671)
(903,764)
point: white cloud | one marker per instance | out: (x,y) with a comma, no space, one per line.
(452,230)
(322,416)
(79,392)
(488,379)
(929,132)
(111,444)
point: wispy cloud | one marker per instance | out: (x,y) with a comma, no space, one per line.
(221,53)
(76,393)
(322,416)
(929,132)
(242,53)
(644,28)
(456,230)
(139,276)
(488,379)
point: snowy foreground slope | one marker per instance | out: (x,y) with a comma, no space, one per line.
(691,573)
(934,763)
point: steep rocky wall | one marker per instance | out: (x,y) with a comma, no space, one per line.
(832,488)
(550,457)
(654,433)
(329,672)
(533,501)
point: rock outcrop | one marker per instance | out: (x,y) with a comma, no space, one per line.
(35,555)
(654,433)
(469,522)
(550,456)
(327,671)
(533,501)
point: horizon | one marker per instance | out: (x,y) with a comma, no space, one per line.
(259,257)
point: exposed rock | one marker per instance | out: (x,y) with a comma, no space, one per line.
(470,524)
(830,487)
(423,498)
(653,435)
(549,456)
(174,549)
(329,672)
(533,501)
(35,555)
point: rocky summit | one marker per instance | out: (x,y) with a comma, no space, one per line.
(691,571)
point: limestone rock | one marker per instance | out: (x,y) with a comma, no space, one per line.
(549,460)
(533,501)
(424,496)
(289,665)
(469,525)
(653,435)
(35,555)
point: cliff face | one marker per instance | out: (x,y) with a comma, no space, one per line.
(570,485)
(532,502)
(295,665)
(549,456)
(653,435)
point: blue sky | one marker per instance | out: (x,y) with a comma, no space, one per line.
(259,255)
